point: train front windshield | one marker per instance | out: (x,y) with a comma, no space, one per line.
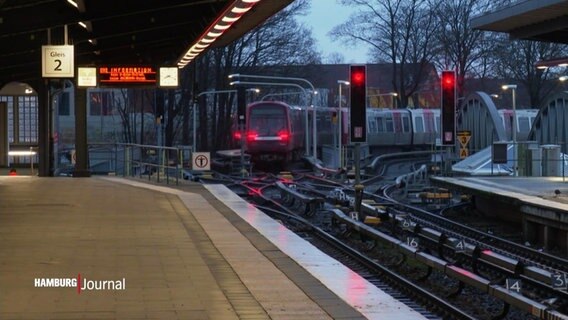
(267,120)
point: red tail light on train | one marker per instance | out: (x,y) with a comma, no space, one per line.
(251,136)
(283,135)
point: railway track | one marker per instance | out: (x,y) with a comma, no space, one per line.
(425,303)
(488,263)
(543,275)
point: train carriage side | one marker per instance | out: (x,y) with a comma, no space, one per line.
(297,129)
(425,124)
(524,121)
(380,128)
(388,128)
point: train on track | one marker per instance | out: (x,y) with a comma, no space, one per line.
(277,131)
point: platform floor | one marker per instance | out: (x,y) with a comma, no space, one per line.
(183,254)
(546,192)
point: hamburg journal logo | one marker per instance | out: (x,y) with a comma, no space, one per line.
(81,284)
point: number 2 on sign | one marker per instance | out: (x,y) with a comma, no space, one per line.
(58,67)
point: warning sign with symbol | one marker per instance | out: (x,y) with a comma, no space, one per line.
(464,137)
(201,161)
(464,153)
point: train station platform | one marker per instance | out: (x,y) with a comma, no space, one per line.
(539,204)
(114,248)
(546,192)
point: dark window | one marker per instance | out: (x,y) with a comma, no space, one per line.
(27,119)
(389,124)
(372,125)
(63,107)
(380,125)
(267,120)
(419,125)
(429,123)
(405,124)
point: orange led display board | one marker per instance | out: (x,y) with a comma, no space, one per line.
(127,75)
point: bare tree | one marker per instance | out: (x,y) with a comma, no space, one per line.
(516,61)
(281,40)
(460,47)
(335,58)
(399,32)
(124,108)
(475,53)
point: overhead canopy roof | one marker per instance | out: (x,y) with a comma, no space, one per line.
(542,20)
(154,32)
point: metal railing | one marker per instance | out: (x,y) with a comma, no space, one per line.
(155,162)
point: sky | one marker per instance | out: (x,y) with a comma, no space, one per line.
(323,16)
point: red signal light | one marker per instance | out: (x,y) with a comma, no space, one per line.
(357,75)
(357,78)
(448,79)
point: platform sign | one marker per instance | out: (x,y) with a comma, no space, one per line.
(86,77)
(57,62)
(125,76)
(201,161)
(463,138)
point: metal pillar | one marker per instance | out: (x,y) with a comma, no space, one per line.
(307,128)
(194,146)
(44,128)
(358,186)
(357,164)
(340,130)
(81,148)
(4,145)
(315,132)
(514,128)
